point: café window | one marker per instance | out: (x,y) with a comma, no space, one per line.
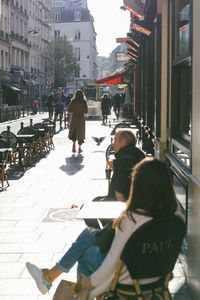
(182,27)
(181,106)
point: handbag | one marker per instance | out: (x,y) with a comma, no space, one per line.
(104,237)
(68,290)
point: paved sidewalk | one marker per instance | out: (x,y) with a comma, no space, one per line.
(37,223)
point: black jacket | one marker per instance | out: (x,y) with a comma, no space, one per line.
(126,158)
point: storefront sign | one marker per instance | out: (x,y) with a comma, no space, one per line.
(121,40)
(122,57)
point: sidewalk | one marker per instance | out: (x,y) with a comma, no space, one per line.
(37,223)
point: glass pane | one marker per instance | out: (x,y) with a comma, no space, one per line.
(182,156)
(182,27)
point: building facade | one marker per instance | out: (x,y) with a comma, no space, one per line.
(165,88)
(73,19)
(26,58)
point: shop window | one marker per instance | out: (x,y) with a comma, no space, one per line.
(181,105)
(182,27)
(181,188)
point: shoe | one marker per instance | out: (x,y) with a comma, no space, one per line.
(80,150)
(36,273)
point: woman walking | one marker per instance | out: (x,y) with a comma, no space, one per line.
(78,107)
(105,107)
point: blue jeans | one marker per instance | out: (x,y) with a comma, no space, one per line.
(84,250)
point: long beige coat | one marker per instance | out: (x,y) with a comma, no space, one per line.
(78,109)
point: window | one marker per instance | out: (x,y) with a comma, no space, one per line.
(77,34)
(57,33)
(2,60)
(57,17)
(77,15)
(181,83)
(59,3)
(77,53)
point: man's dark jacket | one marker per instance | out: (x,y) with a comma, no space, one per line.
(126,158)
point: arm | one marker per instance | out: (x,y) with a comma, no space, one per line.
(85,110)
(110,262)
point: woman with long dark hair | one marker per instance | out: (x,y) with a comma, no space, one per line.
(77,107)
(152,196)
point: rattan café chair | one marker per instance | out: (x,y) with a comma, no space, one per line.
(151,251)
(3,163)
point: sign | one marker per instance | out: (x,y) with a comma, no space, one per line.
(136,5)
(122,57)
(121,40)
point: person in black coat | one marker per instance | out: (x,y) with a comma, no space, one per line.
(105,107)
(49,104)
(117,104)
(127,155)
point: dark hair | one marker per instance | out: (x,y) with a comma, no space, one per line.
(79,95)
(152,192)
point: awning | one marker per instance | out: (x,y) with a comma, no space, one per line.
(11,86)
(114,79)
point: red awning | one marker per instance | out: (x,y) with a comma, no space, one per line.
(114,79)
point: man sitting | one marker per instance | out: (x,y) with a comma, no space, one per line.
(127,155)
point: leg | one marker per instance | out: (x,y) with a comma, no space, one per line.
(84,241)
(74,147)
(80,142)
(44,278)
(90,261)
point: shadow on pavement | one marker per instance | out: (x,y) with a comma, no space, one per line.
(73,164)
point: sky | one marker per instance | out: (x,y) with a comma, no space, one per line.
(110,22)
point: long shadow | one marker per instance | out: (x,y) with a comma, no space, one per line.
(73,164)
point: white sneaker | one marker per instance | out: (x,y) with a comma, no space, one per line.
(36,273)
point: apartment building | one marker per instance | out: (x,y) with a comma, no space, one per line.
(26,57)
(73,19)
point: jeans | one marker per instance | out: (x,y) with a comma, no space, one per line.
(85,251)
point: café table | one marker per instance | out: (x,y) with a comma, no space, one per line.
(101,210)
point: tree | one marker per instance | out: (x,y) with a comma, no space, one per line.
(66,66)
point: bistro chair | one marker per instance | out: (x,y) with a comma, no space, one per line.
(151,251)
(28,144)
(11,141)
(43,137)
(51,131)
(3,163)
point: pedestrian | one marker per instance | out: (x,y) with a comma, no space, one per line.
(105,107)
(152,196)
(49,104)
(35,106)
(58,103)
(117,104)
(78,108)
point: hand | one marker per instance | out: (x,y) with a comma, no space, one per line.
(109,165)
(86,283)
(120,196)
